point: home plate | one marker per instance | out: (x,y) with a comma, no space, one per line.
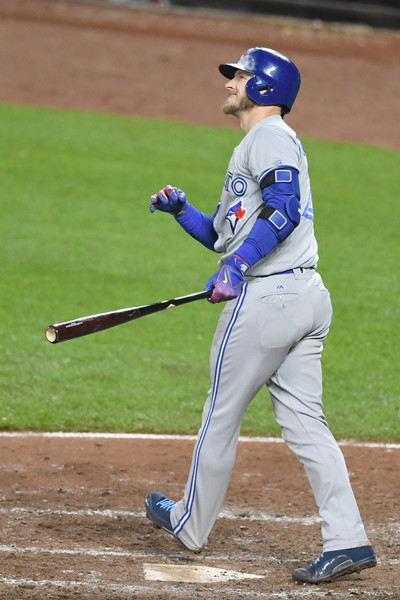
(192,573)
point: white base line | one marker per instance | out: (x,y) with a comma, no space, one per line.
(114,514)
(261,517)
(175,591)
(154,436)
(13,549)
(68,552)
(70,584)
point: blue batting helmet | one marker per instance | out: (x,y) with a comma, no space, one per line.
(276,78)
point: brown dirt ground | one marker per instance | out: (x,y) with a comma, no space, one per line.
(71,510)
(151,62)
(73,525)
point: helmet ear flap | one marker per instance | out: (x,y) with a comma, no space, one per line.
(260,94)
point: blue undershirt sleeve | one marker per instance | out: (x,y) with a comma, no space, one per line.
(199,226)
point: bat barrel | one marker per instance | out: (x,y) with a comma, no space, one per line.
(60,332)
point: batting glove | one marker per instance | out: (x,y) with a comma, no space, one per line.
(227,282)
(169,199)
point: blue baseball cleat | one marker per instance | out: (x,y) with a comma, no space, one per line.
(336,563)
(158,510)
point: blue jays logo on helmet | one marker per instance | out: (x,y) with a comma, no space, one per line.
(235,214)
(276,79)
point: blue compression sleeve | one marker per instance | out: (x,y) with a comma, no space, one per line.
(199,226)
(260,241)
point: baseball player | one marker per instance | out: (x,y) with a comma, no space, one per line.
(273,325)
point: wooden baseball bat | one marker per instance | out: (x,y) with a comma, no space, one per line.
(69,330)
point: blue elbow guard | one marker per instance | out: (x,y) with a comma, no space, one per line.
(281,195)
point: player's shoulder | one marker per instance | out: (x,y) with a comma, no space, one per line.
(274,126)
(272,131)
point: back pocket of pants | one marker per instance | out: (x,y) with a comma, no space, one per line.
(279,298)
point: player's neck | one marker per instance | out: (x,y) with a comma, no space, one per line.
(250,117)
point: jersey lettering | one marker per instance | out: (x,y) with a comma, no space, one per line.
(228,178)
(302,147)
(238,185)
(308,212)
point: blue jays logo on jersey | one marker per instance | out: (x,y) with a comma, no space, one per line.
(235,214)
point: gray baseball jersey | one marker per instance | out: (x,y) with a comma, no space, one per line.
(272,335)
(269,144)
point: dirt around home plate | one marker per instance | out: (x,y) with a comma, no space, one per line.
(73,523)
(72,508)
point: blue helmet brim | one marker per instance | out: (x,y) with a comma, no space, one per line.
(228,70)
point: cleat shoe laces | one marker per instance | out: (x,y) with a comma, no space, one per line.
(166,504)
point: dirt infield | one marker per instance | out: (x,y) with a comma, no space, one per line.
(152,63)
(73,523)
(71,508)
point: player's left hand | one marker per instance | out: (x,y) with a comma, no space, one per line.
(227,282)
(169,199)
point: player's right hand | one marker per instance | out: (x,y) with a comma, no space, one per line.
(226,284)
(169,199)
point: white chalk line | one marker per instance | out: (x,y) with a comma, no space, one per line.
(14,549)
(114,514)
(118,553)
(174,590)
(68,584)
(151,436)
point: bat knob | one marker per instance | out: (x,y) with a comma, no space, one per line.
(51,334)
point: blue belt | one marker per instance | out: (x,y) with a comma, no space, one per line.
(288,272)
(301,269)
(281,273)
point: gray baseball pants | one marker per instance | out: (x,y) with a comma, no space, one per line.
(271,335)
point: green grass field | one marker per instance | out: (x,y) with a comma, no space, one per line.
(77,238)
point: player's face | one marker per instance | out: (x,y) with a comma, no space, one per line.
(238,99)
